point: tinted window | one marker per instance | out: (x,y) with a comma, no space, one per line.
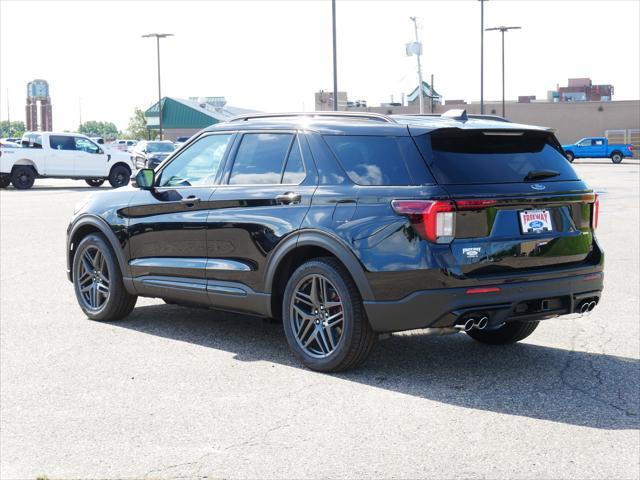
(260,158)
(377,160)
(294,170)
(62,142)
(198,164)
(473,156)
(157,147)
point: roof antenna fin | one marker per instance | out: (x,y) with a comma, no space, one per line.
(456,114)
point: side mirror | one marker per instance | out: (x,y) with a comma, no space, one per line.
(144,179)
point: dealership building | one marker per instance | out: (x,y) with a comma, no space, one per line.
(184,117)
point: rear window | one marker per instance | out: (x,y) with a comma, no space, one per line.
(474,156)
(379,160)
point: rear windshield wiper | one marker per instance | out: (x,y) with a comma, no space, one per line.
(540,174)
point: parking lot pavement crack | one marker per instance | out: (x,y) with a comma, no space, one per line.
(252,442)
(156,473)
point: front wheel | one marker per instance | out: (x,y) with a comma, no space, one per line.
(119,176)
(324,319)
(616,157)
(23,177)
(570,156)
(5,180)
(94,182)
(508,333)
(97,281)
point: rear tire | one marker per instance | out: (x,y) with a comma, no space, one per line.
(119,176)
(23,177)
(570,156)
(511,332)
(324,319)
(5,180)
(616,157)
(97,281)
(94,182)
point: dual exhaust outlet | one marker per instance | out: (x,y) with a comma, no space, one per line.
(477,323)
(586,305)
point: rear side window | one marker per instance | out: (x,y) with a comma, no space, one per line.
(31,140)
(62,142)
(379,160)
(260,159)
(474,156)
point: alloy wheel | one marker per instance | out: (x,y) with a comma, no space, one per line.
(317,316)
(93,279)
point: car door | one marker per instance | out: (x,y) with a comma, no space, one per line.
(263,198)
(61,157)
(138,155)
(584,149)
(90,159)
(597,148)
(167,225)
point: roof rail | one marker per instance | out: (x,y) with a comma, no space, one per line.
(496,118)
(377,117)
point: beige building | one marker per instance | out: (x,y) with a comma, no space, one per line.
(571,120)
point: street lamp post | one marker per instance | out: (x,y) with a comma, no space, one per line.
(158,36)
(335,61)
(482,56)
(502,30)
(418,53)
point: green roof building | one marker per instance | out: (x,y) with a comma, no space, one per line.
(182,117)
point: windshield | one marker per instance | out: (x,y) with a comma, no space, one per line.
(463,157)
(160,147)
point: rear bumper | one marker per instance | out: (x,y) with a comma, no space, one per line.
(515,301)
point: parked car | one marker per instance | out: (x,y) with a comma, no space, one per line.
(180,141)
(149,154)
(62,155)
(11,139)
(98,140)
(597,147)
(125,145)
(349,225)
(6,143)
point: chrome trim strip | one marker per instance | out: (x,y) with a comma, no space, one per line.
(174,284)
(226,289)
(225,264)
(192,263)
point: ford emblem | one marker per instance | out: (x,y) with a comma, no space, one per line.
(538,186)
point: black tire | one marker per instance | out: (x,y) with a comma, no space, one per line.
(570,156)
(119,176)
(616,157)
(95,182)
(5,180)
(511,332)
(356,338)
(117,303)
(23,177)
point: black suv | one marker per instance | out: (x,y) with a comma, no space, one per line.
(349,225)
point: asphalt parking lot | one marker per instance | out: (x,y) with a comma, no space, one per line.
(173,392)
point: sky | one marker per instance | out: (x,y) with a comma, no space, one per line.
(273,55)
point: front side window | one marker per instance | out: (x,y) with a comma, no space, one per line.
(585,143)
(260,159)
(85,145)
(198,165)
(62,142)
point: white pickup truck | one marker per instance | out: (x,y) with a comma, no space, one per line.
(62,155)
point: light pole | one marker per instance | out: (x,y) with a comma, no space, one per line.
(482,56)
(158,36)
(335,61)
(502,30)
(418,53)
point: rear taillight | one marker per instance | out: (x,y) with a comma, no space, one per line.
(630,147)
(434,220)
(595,213)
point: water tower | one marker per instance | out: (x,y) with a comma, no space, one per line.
(38,96)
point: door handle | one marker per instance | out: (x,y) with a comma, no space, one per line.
(190,201)
(288,198)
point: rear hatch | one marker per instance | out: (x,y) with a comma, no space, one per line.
(519,205)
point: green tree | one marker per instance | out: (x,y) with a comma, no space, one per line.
(99,129)
(11,129)
(137,129)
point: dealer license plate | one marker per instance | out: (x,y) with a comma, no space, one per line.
(535,221)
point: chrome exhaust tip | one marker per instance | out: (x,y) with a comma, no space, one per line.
(469,324)
(482,323)
(584,306)
(591,305)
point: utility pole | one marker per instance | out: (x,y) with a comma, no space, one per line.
(418,53)
(335,58)
(158,36)
(482,56)
(502,30)
(80,109)
(433,92)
